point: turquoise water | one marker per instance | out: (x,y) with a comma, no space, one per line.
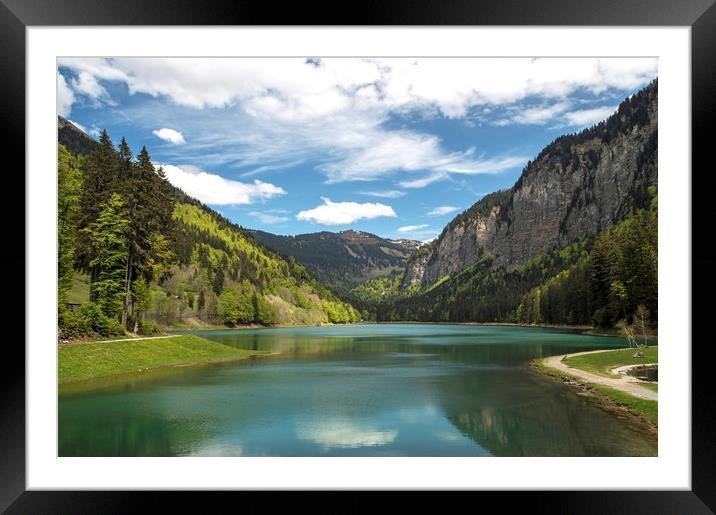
(361,390)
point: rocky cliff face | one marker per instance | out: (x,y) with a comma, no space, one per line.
(415,270)
(578,184)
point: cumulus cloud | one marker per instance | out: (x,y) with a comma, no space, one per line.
(334,111)
(65,96)
(87,84)
(214,189)
(443,210)
(169,135)
(293,87)
(267,217)
(341,213)
(412,228)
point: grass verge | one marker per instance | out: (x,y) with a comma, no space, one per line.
(78,362)
(602,362)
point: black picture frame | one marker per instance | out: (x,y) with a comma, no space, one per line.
(700,15)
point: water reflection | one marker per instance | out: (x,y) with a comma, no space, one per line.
(394,390)
(331,434)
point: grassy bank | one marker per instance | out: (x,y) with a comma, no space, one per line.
(100,359)
(602,362)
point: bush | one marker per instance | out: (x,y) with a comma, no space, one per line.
(148,328)
(93,318)
(113,328)
(86,321)
(71,325)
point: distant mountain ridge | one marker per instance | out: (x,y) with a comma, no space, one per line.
(344,259)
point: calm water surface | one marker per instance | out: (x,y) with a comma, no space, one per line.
(361,390)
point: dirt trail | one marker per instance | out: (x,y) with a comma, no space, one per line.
(123,340)
(623,383)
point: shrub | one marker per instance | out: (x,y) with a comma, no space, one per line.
(148,328)
(71,325)
(113,328)
(93,318)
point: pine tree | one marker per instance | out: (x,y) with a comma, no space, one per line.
(149,213)
(99,179)
(107,236)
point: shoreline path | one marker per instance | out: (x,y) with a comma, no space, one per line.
(623,383)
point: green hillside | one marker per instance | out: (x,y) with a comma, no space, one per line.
(136,253)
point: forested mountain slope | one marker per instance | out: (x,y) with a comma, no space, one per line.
(148,253)
(578,184)
(574,241)
(342,260)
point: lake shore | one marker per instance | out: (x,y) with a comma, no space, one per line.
(92,360)
(591,374)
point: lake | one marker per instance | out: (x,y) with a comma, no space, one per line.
(358,390)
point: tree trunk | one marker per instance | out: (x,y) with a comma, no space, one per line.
(127,289)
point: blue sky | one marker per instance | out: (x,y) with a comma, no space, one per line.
(396,147)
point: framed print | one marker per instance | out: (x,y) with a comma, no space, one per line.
(418,249)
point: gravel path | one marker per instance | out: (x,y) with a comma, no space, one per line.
(623,383)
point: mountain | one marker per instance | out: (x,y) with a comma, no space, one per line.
(579,184)
(198,267)
(73,138)
(342,260)
(574,241)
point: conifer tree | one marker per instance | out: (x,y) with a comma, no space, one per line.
(107,236)
(99,179)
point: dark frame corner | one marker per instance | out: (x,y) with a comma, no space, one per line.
(700,15)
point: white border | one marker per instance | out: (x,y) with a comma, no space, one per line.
(672,467)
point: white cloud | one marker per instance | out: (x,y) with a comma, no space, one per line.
(384,194)
(412,228)
(290,111)
(424,181)
(267,218)
(299,89)
(170,135)
(86,83)
(344,434)
(587,117)
(214,189)
(443,210)
(65,96)
(536,115)
(341,213)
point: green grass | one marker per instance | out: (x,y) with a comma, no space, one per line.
(602,362)
(79,293)
(647,409)
(77,362)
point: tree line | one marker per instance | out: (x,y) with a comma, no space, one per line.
(599,280)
